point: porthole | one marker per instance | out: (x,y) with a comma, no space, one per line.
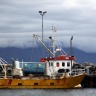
(68,64)
(57,64)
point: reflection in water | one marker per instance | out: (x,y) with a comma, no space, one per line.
(47,92)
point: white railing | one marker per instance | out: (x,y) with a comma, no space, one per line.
(77,71)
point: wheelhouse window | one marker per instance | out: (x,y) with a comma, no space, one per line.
(68,64)
(51,63)
(57,64)
(63,64)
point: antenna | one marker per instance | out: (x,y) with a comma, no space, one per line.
(71,45)
(53,39)
(53,28)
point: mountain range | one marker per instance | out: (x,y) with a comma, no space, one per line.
(33,54)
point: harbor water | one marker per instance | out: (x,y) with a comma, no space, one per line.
(48,92)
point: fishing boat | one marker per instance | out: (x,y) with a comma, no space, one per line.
(51,72)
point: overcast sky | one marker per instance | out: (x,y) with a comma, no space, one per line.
(20,19)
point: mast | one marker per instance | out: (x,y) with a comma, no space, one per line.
(53,40)
(71,49)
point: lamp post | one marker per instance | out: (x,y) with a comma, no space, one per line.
(42,14)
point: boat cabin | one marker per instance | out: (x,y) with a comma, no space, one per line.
(58,65)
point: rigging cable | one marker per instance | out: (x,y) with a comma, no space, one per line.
(39,47)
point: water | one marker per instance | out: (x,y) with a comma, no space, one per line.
(47,92)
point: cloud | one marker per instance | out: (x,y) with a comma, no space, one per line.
(20,19)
